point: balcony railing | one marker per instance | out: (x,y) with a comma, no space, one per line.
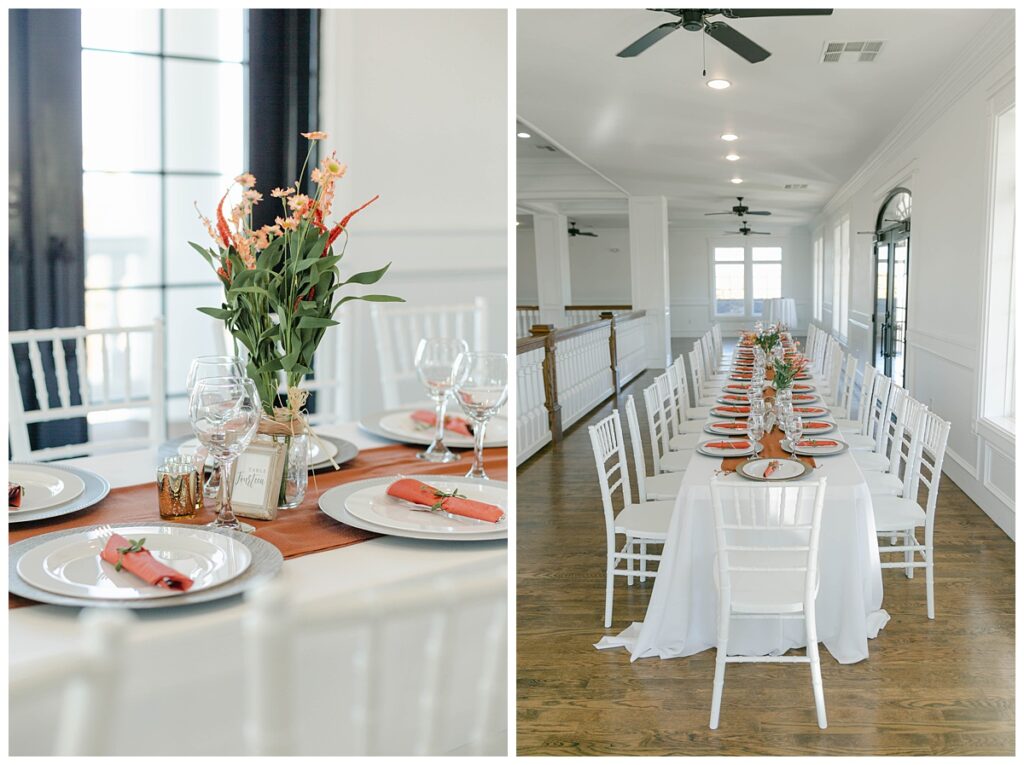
(528,315)
(563,374)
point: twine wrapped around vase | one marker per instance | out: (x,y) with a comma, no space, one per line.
(283,422)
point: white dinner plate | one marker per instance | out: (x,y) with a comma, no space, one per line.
(374,505)
(814,428)
(810,411)
(398,425)
(816,451)
(71,565)
(317,456)
(43,486)
(712,451)
(719,428)
(805,399)
(719,412)
(789,469)
(733,399)
(740,378)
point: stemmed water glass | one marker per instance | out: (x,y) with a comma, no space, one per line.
(224,413)
(794,430)
(201,368)
(435,362)
(755,429)
(481,387)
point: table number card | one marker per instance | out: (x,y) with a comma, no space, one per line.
(258,480)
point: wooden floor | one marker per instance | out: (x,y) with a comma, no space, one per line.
(942,687)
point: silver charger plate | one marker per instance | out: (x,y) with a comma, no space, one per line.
(347,451)
(332,503)
(805,452)
(371,424)
(754,470)
(96,488)
(702,448)
(266,563)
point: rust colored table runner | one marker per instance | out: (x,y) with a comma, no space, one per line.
(299,531)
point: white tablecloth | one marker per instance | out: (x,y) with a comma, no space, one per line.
(780,310)
(681,617)
(186,669)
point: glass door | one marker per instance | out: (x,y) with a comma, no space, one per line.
(892,270)
(881,322)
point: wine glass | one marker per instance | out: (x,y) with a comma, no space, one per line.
(435,361)
(794,430)
(755,429)
(201,368)
(481,387)
(224,413)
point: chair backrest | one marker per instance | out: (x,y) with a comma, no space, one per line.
(637,441)
(761,528)
(928,457)
(610,458)
(667,399)
(398,329)
(657,425)
(902,436)
(327,382)
(696,375)
(364,624)
(710,362)
(683,397)
(716,334)
(878,405)
(89,677)
(77,364)
(834,368)
(844,396)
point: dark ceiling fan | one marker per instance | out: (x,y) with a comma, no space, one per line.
(746,231)
(741,210)
(696,20)
(573,231)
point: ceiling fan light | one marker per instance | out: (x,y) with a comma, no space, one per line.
(718,84)
(522,134)
(732,157)
(737,180)
(729,136)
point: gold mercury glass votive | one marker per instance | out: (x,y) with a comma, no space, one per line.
(180,489)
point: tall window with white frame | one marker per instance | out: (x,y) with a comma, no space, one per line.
(819,275)
(837,279)
(844,278)
(744,277)
(998,404)
(163,118)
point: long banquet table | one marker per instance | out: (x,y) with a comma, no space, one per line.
(681,617)
(183,667)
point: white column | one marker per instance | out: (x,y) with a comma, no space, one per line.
(551,243)
(648,266)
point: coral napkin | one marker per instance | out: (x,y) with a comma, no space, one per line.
(728,444)
(816,425)
(738,409)
(733,397)
(14,493)
(452,423)
(732,425)
(807,409)
(812,442)
(420,493)
(143,565)
(772,467)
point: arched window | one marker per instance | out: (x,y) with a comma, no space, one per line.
(892,271)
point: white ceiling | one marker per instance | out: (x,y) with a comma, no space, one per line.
(650,125)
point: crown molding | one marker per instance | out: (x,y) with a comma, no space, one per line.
(984,52)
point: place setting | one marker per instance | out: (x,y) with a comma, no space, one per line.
(37,491)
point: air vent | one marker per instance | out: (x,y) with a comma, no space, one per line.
(546,147)
(860,50)
(794,186)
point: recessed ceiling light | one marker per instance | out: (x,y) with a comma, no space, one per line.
(517,223)
(737,180)
(729,136)
(732,157)
(522,135)
(718,84)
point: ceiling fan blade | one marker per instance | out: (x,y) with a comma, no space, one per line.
(736,42)
(753,13)
(587,233)
(763,233)
(645,42)
(723,213)
(757,212)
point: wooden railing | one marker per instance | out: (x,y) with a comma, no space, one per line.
(562,374)
(528,315)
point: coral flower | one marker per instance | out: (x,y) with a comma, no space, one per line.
(316,135)
(333,167)
(246,180)
(253,196)
(279,192)
(288,224)
(299,202)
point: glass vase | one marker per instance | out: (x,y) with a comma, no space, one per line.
(296,470)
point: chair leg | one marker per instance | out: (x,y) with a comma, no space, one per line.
(719,682)
(908,556)
(629,563)
(643,562)
(609,585)
(929,575)
(816,685)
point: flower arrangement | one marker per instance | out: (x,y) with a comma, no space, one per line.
(787,371)
(768,339)
(282,282)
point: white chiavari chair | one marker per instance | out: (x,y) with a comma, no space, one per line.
(89,678)
(766,539)
(880,457)
(884,400)
(398,329)
(276,628)
(720,354)
(708,369)
(901,516)
(684,434)
(704,390)
(649,487)
(712,363)
(864,403)
(641,523)
(842,405)
(904,432)
(665,460)
(93,371)
(833,372)
(690,419)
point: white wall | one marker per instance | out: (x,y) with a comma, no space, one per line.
(690,274)
(941,152)
(415,102)
(526,267)
(597,275)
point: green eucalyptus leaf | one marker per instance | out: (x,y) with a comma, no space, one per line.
(312,322)
(368,277)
